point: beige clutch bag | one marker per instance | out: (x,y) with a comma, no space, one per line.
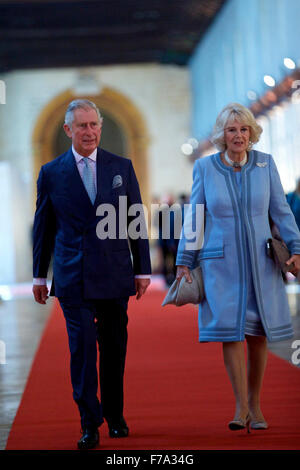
(183,292)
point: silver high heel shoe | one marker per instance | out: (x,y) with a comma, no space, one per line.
(259,425)
(240,423)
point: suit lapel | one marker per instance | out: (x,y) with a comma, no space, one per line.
(104,177)
(74,187)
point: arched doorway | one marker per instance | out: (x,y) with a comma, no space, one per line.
(124,132)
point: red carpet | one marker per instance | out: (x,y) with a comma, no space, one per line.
(178,395)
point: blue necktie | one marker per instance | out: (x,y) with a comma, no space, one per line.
(88,180)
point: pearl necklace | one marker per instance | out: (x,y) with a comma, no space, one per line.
(235,164)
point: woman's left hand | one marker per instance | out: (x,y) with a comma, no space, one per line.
(296,260)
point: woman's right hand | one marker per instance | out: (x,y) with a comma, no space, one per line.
(183,271)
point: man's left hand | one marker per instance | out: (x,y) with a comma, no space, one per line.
(141,286)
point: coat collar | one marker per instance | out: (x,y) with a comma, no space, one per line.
(252,158)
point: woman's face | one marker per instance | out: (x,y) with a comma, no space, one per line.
(236,137)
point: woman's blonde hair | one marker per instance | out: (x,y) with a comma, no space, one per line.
(232,112)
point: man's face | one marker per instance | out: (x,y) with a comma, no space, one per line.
(85,131)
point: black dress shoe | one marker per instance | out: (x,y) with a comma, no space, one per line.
(119,429)
(89,439)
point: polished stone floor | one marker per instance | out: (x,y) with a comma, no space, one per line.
(21,324)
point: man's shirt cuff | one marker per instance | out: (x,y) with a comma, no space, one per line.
(39,281)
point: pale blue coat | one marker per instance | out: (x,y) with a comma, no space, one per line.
(228,221)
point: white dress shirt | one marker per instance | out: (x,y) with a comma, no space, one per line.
(92,159)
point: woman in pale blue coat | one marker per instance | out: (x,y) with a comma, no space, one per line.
(245,295)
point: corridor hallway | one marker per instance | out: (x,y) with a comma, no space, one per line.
(22,323)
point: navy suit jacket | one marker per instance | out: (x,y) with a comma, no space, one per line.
(65,225)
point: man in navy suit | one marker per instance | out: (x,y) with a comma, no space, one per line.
(93,275)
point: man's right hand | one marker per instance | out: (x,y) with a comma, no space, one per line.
(40,293)
(183,271)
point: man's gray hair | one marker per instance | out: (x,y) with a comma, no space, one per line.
(80,104)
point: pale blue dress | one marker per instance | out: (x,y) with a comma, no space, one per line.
(235,230)
(253,324)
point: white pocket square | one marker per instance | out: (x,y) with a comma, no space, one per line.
(117,181)
(261,164)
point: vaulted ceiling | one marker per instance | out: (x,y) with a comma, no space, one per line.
(52,33)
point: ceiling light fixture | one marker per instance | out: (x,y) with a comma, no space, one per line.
(289,63)
(270,81)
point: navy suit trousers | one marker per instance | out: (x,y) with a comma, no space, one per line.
(88,322)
